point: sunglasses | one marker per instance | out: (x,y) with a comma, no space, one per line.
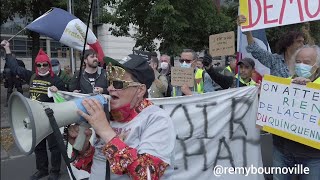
(42,65)
(185,60)
(123,84)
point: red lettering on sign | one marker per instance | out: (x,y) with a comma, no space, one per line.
(266,7)
(306,4)
(283,9)
(250,14)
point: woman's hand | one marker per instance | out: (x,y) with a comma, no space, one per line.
(53,89)
(73,131)
(96,117)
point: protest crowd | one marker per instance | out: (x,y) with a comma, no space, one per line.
(138,139)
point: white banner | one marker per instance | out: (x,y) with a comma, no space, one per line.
(263,14)
(214,129)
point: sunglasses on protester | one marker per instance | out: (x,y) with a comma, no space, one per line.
(185,60)
(42,65)
(117,84)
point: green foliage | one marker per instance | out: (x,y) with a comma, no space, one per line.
(177,24)
(32,9)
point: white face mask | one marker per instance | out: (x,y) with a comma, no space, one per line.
(185,65)
(44,74)
(164,65)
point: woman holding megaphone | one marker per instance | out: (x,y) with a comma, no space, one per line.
(138,140)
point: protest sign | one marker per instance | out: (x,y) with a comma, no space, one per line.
(289,110)
(222,44)
(181,76)
(263,14)
(213,129)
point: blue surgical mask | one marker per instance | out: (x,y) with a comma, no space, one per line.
(56,69)
(185,65)
(303,70)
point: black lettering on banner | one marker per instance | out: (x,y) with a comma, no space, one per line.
(223,141)
(205,115)
(188,119)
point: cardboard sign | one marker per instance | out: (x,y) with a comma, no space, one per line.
(222,44)
(289,110)
(263,14)
(181,76)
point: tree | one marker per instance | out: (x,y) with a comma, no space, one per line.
(177,24)
(32,9)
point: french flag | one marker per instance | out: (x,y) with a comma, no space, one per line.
(69,30)
(261,39)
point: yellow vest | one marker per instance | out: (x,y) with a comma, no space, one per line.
(198,81)
(250,83)
(228,68)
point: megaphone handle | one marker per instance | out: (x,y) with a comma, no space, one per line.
(80,140)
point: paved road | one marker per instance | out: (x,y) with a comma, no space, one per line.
(15,165)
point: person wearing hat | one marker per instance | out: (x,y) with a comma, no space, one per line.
(43,79)
(246,67)
(139,139)
(56,68)
(93,78)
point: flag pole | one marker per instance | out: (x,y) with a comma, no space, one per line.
(17,33)
(239,50)
(27,25)
(84,45)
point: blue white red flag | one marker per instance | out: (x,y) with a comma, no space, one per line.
(261,39)
(69,30)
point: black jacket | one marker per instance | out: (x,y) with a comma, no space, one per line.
(85,85)
(224,81)
(38,84)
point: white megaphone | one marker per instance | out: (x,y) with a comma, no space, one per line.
(30,124)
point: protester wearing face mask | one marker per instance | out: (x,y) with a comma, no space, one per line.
(290,153)
(165,70)
(43,79)
(56,68)
(139,139)
(203,83)
(160,83)
(307,66)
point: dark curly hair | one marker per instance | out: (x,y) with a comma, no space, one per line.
(287,40)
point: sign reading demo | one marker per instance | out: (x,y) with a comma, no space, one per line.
(263,14)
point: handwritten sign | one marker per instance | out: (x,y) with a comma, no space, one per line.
(181,76)
(290,110)
(263,14)
(222,44)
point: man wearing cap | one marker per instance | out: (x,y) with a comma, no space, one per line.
(93,78)
(56,68)
(43,79)
(139,139)
(246,68)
